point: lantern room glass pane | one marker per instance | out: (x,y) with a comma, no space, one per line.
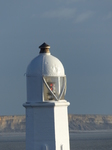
(54,88)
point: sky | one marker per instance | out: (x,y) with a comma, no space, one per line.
(80,35)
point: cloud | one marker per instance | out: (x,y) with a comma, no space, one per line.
(84,16)
(65,13)
(60,13)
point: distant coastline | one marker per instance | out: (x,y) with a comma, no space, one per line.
(77,123)
(90,131)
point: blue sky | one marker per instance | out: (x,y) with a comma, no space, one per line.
(80,35)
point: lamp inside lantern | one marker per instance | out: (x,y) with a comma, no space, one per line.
(54,87)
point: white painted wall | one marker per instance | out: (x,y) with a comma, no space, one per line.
(61,128)
(47,126)
(34,89)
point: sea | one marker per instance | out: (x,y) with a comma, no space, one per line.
(86,140)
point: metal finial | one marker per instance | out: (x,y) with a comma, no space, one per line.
(44,48)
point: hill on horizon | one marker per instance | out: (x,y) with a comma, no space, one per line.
(76,123)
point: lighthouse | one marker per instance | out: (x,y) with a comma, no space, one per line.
(46,107)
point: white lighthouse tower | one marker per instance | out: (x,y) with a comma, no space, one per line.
(46,108)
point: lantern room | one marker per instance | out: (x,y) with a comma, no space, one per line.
(46,79)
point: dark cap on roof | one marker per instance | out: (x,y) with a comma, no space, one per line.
(44,48)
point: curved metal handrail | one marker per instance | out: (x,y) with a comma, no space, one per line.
(62,90)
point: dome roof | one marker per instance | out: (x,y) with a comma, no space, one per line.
(45,64)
